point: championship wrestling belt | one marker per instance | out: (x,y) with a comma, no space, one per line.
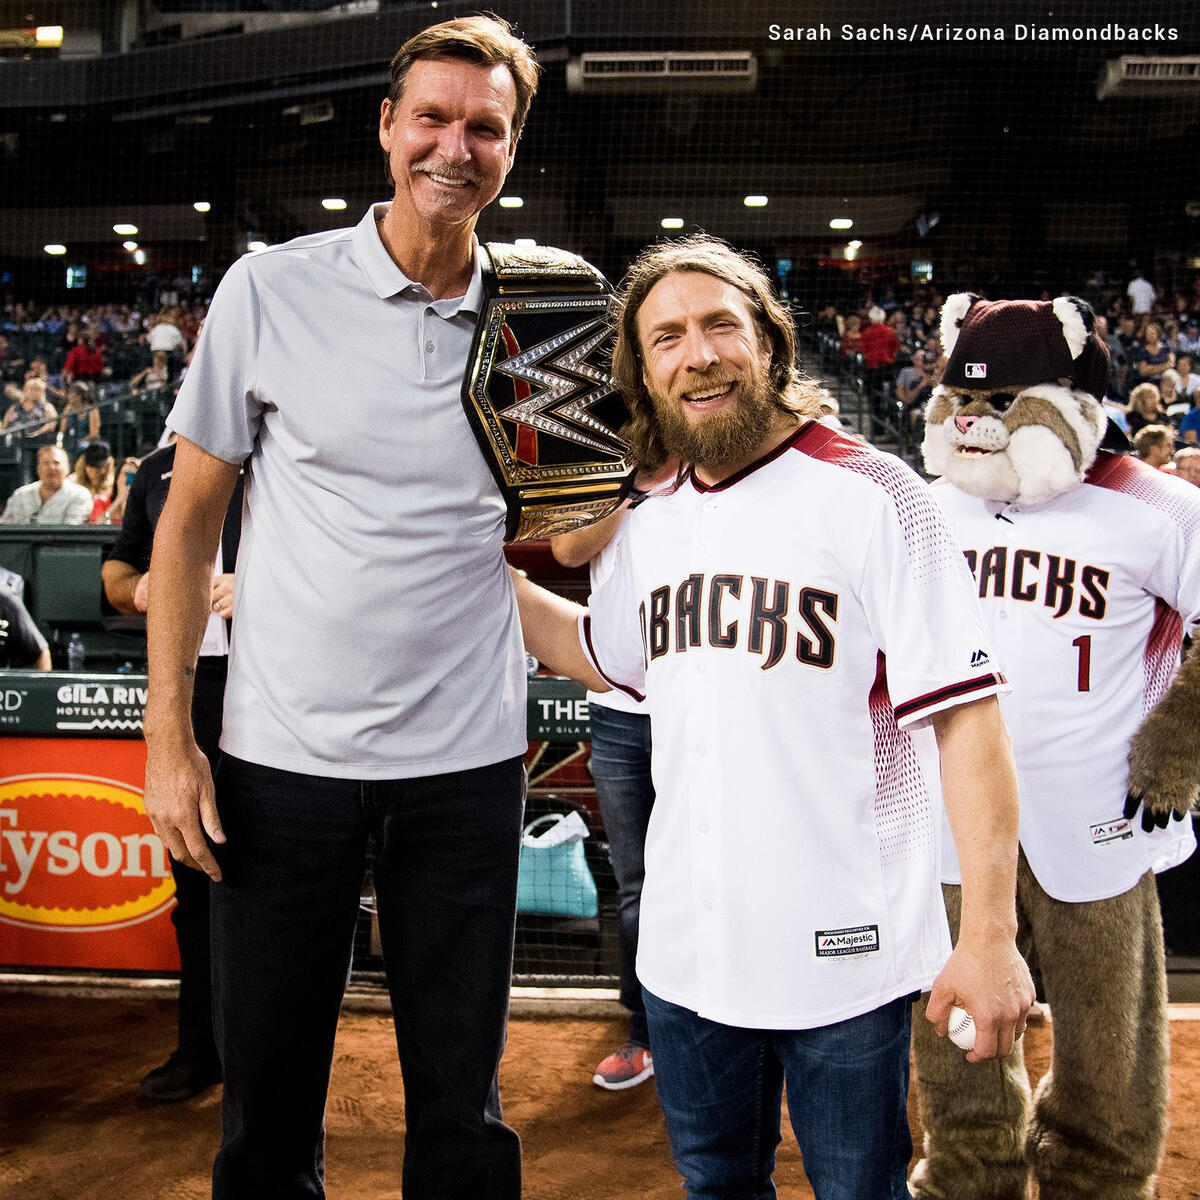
(539,394)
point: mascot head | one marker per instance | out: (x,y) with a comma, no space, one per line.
(1018,415)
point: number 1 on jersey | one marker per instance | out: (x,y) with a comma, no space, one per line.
(1083,644)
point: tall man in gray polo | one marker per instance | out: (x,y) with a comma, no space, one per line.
(376,678)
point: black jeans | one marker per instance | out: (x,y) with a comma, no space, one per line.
(283,921)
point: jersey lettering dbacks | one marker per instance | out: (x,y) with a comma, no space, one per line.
(1085,598)
(793,630)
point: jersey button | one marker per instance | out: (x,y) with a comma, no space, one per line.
(708,906)
(703,826)
(428,347)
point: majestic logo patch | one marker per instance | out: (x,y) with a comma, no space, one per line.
(980,658)
(1111,831)
(975,370)
(837,943)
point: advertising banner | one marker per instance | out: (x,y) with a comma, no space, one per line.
(84,879)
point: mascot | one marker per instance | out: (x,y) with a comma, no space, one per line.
(1088,568)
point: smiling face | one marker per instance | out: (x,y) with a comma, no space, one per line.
(449,140)
(706,368)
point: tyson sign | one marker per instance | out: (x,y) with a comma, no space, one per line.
(78,853)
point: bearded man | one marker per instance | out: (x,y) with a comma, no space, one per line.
(797,616)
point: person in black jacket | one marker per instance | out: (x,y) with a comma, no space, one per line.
(194,1065)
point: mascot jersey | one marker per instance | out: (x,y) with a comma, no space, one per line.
(789,628)
(1085,596)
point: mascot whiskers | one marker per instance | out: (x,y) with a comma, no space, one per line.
(1088,571)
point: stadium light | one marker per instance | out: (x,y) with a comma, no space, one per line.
(202,206)
(755,202)
(511,202)
(333,203)
(55,248)
(841,223)
(125,229)
(130,246)
(672,222)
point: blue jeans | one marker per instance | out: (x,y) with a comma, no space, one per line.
(721,1088)
(283,920)
(620,766)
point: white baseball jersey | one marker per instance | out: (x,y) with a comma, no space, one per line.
(1085,597)
(789,628)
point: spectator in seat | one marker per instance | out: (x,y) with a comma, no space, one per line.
(1187,465)
(53,499)
(1154,445)
(1155,356)
(120,495)
(85,361)
(95,470)
(852,335)
(1189,427)
(156,375)
(1189,384)
(880,344)
(21,643)
(1145,407)
(164,335)
(80,420)
(915,383)
(1188,341)
(28,405)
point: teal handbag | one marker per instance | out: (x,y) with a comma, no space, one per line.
(554,878)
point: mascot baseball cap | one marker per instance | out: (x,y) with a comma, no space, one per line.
(1018,343)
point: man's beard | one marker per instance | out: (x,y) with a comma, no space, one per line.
(726,437)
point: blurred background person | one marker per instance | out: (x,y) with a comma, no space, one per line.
(95,470)
(52,499)
(1154,445)
(79,423)
(29,405)
(1144,407)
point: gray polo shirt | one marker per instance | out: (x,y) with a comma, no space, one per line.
(376,631)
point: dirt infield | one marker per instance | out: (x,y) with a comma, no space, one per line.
(72,1126)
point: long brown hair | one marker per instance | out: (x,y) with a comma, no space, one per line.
(709,256)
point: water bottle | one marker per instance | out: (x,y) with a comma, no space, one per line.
(75,653)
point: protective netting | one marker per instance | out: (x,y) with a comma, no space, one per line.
(1020,154)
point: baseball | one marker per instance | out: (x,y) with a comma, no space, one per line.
(961,1030)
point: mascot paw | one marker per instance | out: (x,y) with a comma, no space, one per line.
(1164,757)
(1153,815)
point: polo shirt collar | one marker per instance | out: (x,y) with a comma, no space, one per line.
(387,279)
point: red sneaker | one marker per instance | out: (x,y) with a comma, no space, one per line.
(624,1068)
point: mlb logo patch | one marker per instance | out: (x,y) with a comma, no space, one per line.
(1111,831)
(975,370)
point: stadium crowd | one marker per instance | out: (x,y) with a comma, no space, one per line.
(888,347)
